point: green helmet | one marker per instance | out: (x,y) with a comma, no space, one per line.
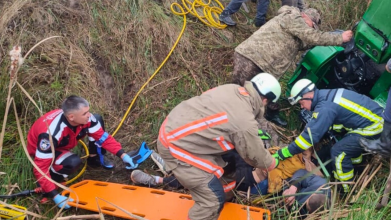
(267,85)
(300,88)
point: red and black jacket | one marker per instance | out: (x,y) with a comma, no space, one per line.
(65,137)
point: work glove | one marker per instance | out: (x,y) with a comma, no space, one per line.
(277,160)
(61,201)
(282,154)
(264,135)
(128,160)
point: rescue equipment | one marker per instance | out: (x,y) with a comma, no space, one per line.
(138,156)
(149,203)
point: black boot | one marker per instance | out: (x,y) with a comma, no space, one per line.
(381,146)
(225,17)
(272,113)
(96,162)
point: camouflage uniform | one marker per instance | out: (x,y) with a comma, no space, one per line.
(275,45)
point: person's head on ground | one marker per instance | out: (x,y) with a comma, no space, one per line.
(317,202)
(302,92)
(311,16)
(76,110)
(267,87)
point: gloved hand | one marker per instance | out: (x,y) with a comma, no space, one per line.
(282,154)
(277,160)
(61,201)
(264,135)
(127,159)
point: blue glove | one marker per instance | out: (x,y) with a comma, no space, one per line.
(61,201)
(127,159)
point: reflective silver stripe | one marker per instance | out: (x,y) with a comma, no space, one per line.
(178,133)
(94,129)
(53,124)
(338,96)
(357,160)
(223,142)
(194,160)
(226,145)
(91,138)
(59,134)
(43,155)
(63,157)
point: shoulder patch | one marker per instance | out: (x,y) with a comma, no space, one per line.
(243,91)
(315,114)
(44,145)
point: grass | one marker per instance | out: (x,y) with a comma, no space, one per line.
(108,50)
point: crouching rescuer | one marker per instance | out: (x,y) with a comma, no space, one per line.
(198,131)
(63,128)
(335,109)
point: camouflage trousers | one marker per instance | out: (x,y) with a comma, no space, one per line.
(244,69)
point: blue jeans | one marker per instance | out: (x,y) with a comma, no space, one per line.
(260,189)
(262,6)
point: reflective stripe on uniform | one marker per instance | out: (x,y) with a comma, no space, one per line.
(182,155)
(225,145)
(302,143)
(357,160)
(200,163)
(375,128)
(41,155)
(243,91)
(196,126)
(340,175)
(230,186)
(63,157)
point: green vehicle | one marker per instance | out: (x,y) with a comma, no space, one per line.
(360,64)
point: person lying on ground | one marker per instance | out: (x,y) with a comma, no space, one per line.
(246,176)
(57,132)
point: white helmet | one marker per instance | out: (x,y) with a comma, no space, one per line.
(267,85)
(300,88)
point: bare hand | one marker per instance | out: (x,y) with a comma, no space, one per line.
(347,35)
(289,200)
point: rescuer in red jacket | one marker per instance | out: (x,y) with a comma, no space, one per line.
(66,126)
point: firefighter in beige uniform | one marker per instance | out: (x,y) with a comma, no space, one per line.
(198,131)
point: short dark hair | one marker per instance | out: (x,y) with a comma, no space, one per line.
(317,202)
(73,103)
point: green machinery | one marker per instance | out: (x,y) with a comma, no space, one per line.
(360,64)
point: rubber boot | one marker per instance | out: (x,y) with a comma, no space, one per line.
(382,145)
(272,114)
(225,17)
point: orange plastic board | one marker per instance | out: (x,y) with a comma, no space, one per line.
(152,204)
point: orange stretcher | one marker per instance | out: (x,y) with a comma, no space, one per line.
(148,203)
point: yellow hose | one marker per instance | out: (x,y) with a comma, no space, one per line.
(135,97)
(210,15)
